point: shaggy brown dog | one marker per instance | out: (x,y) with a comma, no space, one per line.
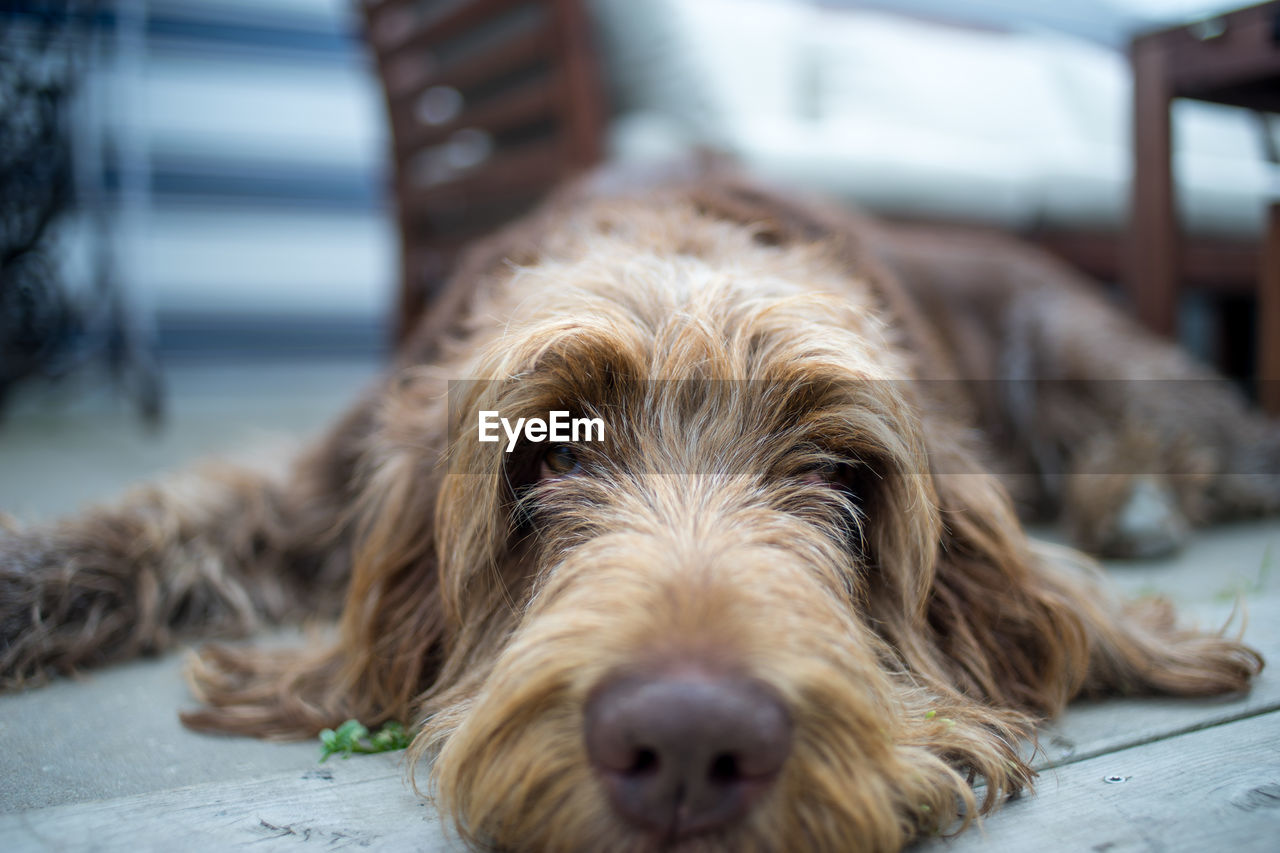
(782,604)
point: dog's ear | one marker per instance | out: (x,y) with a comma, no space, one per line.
(955,592)
(995,620)
(1028,626)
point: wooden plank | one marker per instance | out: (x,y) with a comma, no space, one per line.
(583,96)
(1211,263)
(408,75)
(1153,261)
(507,173)
(388,22)
(1269,317)
(406,36)
(1219,563)
(363,802)
(1093,728)
(422,272)
(1217,789)
(1210,29)
(1242,53)
(1213,789)
(522,105)
(1261,94)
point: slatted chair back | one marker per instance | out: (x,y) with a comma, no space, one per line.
(491,103)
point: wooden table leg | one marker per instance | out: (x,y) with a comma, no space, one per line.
(1269,317)
(1153,240)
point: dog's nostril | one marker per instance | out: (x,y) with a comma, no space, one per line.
(645,761)
(724,769)
(685,751)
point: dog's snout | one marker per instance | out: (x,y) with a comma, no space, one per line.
(685,752)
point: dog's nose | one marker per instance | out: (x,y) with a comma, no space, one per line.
(684,752)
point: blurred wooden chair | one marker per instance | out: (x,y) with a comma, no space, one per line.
(491,103)
(1231,59)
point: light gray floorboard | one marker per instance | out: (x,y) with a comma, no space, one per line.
(1096,727)
(363,802)
(1212,790)
(115,732)
(58,457)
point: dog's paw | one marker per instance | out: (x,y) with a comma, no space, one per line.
(1139,519)
(1149,523)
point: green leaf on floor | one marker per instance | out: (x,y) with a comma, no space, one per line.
(351,737)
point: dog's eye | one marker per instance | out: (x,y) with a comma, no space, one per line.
(836,475)
(560,460)
(821,475)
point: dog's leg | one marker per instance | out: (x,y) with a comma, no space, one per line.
(1127,438)
(1145,442)
(215,553)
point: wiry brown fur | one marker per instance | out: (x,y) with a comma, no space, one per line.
(913,632)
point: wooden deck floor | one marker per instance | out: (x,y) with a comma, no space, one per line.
(1119,775)
(102,764)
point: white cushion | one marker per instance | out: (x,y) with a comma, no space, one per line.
(896,169)
(922,119)
(966,83)
(747,52)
